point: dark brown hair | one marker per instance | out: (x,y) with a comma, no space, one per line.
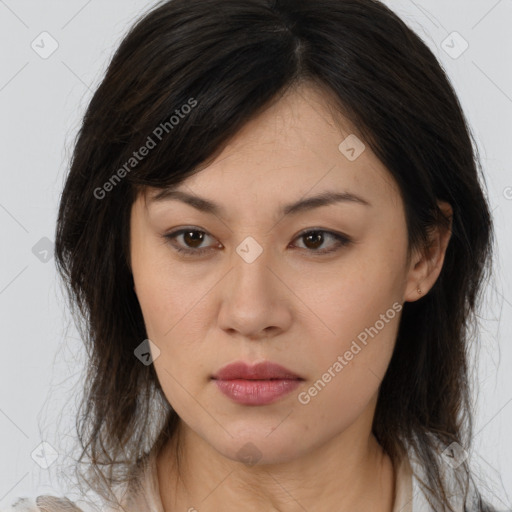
(190,74)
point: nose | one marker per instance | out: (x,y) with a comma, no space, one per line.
(256,303)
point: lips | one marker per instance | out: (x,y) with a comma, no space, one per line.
(260,384)
(265,370)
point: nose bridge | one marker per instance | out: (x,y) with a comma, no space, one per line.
(252,260)
(251,300)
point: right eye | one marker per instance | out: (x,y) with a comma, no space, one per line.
(191,238)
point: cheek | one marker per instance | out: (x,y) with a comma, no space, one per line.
(154,304)
(349,370)
(357,354)
(164,294)
(174,309)
(358,299)
(360,313)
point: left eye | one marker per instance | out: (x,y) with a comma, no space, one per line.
(313,238)
(317,237)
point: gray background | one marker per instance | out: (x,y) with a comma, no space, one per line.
(42,101)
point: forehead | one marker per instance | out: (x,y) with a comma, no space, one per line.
(295,148)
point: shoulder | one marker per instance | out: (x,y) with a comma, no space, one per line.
(461,491)
(44,503)
(139,493)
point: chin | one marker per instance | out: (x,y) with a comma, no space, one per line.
(256,448)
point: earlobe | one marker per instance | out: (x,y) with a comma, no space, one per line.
(416,288)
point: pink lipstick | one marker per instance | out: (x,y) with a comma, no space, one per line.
(259,384)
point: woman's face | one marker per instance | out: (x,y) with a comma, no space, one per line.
(275,285)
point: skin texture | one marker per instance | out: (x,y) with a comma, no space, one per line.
(290,306)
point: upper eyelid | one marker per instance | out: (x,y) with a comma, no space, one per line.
(181,231)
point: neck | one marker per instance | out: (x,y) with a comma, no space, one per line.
(348,473)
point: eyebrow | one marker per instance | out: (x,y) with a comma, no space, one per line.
(309,203)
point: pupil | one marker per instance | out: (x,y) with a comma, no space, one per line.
(197,241)
(313,235)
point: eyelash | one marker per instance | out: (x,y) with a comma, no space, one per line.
(342,241)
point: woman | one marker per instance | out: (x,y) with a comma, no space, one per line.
(274,232)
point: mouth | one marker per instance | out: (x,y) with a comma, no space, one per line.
(261,384)
(265,370)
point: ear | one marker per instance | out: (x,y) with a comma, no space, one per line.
(427,262)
